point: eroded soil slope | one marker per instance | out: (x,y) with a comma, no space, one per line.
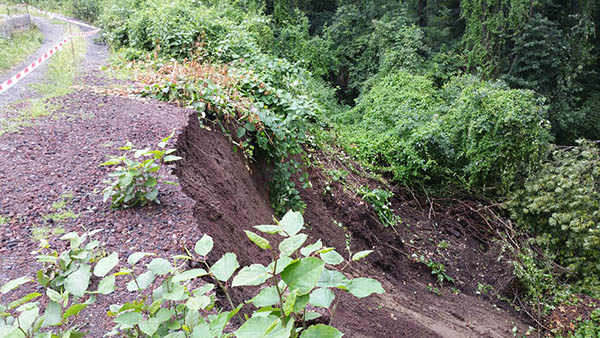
(231,196)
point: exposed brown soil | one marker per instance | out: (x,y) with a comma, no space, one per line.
(232,196)
(221,194)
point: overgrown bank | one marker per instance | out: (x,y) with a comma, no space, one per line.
(433,107)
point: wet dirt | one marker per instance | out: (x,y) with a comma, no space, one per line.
(231,196)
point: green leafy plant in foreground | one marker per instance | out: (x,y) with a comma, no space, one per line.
(171,302)
(135,182)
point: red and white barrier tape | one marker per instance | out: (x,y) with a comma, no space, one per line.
(27,70)
(53,15)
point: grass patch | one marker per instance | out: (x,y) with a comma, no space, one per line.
(63,201)
(22,44)
(39,233)
(62,69)
(4,220)
(60,216)
(60,74)
(6,9)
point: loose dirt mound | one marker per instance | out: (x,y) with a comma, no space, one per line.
(231,196)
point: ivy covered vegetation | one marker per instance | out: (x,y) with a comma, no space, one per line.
(496,98)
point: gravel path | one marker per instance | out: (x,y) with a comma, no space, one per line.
(59,155)
(53,33)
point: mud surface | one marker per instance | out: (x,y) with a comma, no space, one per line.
(231,196)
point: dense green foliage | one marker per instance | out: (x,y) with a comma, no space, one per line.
(561,204)
(482,134)
(168,300)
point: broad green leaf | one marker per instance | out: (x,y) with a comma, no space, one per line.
(303,275)
(144,280)
(291,244)
(321,297)
(363,287)
(123,272)
(27,318)
(217,324)
(189,274)
(332,257)
(15,283)
(252,275)
(129,318)
(266,297)
(136,256)
(113,161)
(28,306)
(325,250)
(202,331)
(282,263)
(204,245)
(310,315)
(176,292)
(290,302)
(77,282)
(261,242)
(106,264)
(197,303)
(360,255)
(54,296)
(261,326)
(301,302)
(11,332)
(23,300)
(307,250)
(149,326)
(52,314)
(74,310)
(321,331)
(151,195)
(225,267)
(107,285)
(160,266)
(269,229)
(171,158)
(333,279)
(292,222)
(155,306)
(150,182)
(164,314)
(204,289)
(182,257)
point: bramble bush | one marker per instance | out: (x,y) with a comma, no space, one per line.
(471,133)
(169,301)
(560,206)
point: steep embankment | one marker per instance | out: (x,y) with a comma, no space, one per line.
(232,196)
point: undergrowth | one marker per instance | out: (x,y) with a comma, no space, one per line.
(169,301)
(22,44)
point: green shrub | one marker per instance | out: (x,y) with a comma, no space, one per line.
(561,206)
(135,182)
(471,133)
(86,10)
